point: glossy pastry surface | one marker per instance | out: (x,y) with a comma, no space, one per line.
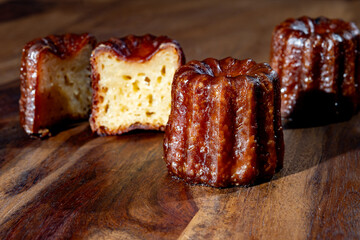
(224,127)
(318,65)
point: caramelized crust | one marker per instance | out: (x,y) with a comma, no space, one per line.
(224,127)
(138,48)
(34,107)
(135,57)
(317,61)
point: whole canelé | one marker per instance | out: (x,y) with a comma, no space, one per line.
(318,64)
(224,127)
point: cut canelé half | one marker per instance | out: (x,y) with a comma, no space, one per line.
(55,82)
(131,80)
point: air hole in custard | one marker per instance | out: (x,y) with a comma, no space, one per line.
(148,114)
(136,86)
(159,79)
(104,89)
(163,70)
(147,80)
(67,81)
(124,108)
(150,98)
(106,108)
(126,77)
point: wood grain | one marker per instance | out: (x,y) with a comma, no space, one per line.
(76,185)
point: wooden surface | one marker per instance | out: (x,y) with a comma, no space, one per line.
(77,185)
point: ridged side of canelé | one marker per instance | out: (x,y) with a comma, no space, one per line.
(30,103)
(224,127)
(314,57)
(129,49)
(270,135)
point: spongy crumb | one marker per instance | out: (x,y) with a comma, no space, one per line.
(64,87)
(135,92)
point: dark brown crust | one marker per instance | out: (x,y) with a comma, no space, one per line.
(223,115)
(134,49)
(317,61)
(138,48)
(62,46)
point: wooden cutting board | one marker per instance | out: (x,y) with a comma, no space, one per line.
(78,185)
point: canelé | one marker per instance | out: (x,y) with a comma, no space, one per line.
(318,64)
(55,82)
(131,80)
(224,127)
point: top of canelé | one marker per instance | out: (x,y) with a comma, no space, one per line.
(138,48)
(319,26)
(227,67)
(61,45)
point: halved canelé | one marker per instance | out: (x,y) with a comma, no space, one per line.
(55,82)
(132,79)
(224,127)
